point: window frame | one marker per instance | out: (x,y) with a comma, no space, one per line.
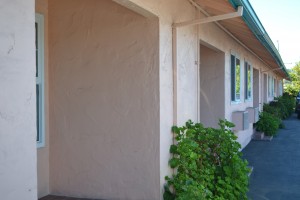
(248,67)
(40,107)
(233,64)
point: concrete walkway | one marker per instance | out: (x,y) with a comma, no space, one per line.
(276,173)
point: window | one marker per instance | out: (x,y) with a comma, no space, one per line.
(280,88)
(235,79)
(271,83)
(248,81)
(273,87)
(39,44)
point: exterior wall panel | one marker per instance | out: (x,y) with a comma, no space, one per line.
(17,101)
(104,94)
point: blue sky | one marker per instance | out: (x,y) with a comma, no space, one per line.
(281,19)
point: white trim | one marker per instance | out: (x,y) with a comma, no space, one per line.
(234,53)
(236,102)
(39,19)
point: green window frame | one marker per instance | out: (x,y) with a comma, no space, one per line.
(235,78)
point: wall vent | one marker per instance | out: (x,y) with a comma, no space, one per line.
(241,120)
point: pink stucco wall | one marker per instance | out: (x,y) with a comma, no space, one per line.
(166,11)
(17,101)
(111,93)
(104,94)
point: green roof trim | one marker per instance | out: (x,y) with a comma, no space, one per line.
(252,21)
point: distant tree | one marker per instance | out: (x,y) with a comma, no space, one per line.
(293,87)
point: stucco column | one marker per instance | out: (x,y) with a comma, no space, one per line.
(17,101)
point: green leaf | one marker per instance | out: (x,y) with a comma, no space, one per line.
(173,149)
(175,129)
(174,162)
(193,155)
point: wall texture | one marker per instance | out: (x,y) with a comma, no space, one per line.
(17,101)
(104,94)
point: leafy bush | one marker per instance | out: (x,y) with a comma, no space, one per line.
(286,103)
(273,109)
(268,123)
(208,164)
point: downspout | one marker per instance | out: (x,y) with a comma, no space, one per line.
(174,66)
(262,88)
(198,75)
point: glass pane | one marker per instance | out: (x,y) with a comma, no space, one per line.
(36,49)
(232,78)
(249,89)
(273,86)
(238,80)
(269,85)
(246,80)
(37,113)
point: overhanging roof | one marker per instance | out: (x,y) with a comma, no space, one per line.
(247,29)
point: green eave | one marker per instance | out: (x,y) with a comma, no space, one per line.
(252,21)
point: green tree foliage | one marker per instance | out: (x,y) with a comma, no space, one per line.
(293,87)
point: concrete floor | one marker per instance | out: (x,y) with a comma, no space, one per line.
(276,174)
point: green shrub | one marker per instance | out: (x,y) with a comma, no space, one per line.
(208,164)
(274,110)
(268,123)
(286,104)
(282,107)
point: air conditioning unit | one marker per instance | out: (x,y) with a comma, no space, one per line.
(253,114)
(241,120)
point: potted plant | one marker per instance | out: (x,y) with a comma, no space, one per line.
(268,124)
